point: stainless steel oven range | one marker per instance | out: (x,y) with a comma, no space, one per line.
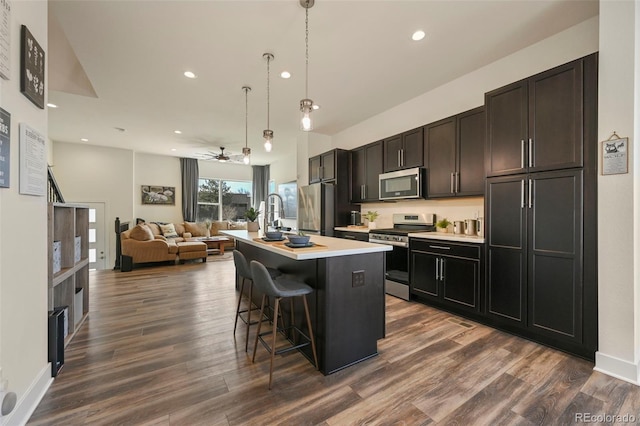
(397,260)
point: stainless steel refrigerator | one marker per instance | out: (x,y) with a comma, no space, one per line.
(316,209)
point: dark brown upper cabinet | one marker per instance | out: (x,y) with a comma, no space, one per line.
(536,124)
(322,168)
(404,151)
(455,155)
(366,166)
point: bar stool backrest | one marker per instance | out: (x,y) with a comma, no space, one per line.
(242,267)
(262,280)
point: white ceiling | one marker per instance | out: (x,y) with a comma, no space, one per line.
(362,61)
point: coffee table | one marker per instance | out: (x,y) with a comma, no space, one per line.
(214,244)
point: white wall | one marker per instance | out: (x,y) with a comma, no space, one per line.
(90,174)
(618,195)
(23,239)
(468,91)
(160,170)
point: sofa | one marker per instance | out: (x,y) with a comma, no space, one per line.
(168,242)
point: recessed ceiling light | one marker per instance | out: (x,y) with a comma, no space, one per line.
(189,74)
(316,106)
(84,140)
(418,35)
(50,105)
(285,74)
(177,132)
(173,149)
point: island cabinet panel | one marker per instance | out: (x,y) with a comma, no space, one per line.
(447,274)
(537,124)
(348,317)
(366,166)
(404,151)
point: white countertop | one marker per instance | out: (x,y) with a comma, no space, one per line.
(447,236)
(362,229)
(335,246)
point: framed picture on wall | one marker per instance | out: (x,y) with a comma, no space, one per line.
(31,68)
(156,194)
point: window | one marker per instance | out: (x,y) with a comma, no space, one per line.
(220,199)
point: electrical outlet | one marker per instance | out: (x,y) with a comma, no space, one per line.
(357,278)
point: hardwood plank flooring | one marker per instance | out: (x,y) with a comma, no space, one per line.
(158,349)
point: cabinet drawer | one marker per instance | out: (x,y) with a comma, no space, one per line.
(359,236)
(446,248)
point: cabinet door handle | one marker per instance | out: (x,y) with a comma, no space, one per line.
(530,152)
(522,153)
(522,202)
(437,268)
(451,184)
(349,237)
(530,193)
(440,247)
(442,269)
(399,158)
(362,191)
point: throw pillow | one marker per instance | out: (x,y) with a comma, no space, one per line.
(169,230)
(141,233)
(196,229)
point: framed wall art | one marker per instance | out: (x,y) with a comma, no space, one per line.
(5,148)
(31,68)
(156,194)
(614,155)
(5,39)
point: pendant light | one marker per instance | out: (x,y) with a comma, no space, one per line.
(306,105)
(246,151)
(268,134)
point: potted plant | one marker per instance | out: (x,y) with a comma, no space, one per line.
(252,215)
(371,216)
(442,225)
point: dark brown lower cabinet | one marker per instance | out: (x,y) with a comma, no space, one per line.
(535,257)
(446,273)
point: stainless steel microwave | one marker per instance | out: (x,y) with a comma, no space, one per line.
(403,184)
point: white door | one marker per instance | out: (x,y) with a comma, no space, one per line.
(97,238)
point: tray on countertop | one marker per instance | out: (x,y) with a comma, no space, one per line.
(282,245)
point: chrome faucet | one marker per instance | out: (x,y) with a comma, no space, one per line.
(268,212)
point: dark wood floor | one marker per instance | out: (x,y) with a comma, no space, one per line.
(158,349)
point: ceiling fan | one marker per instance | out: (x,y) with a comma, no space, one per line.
(223,157)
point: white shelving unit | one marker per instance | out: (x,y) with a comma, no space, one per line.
(67,221)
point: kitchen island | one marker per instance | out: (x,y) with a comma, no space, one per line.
(348,305)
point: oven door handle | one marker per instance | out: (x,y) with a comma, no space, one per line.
(389,243)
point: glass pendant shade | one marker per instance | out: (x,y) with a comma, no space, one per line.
(268,137)
(246,152)
(306,106)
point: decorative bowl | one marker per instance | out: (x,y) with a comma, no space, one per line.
(273,235)
(299,239)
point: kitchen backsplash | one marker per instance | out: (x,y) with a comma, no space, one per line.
(452,209)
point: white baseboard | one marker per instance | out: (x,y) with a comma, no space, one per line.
(618,368)
(28,403)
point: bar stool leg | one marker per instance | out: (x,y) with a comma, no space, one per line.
(273,343)
(313,341)
(246,339)
(255,344)
(238,308)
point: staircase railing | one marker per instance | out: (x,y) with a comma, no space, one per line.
(53,190)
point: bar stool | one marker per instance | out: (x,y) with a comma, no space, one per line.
(281,288)
(243,270)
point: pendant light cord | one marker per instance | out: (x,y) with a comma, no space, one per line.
(246,117)
(268,89)
(306,42)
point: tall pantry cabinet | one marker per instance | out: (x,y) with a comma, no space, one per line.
(541,164)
